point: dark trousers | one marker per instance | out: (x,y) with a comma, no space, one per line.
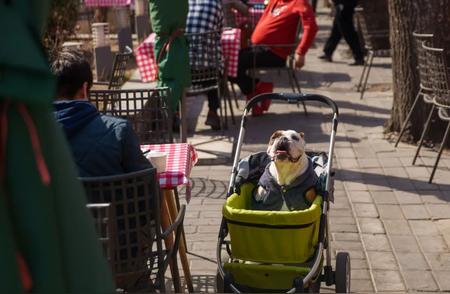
(343,27)
(258,57)
(213,100)
(213,97)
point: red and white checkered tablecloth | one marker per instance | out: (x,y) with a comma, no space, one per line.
(231,44)
(146,60)
(106,3)
(181,158)
(254,15)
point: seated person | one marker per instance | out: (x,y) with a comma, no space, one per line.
(101,145)
(205,16)
(278,25)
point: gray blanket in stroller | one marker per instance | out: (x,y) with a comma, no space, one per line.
(251,168)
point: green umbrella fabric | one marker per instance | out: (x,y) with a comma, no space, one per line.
(43,215)
(168,18)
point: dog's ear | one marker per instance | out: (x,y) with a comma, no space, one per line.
(302,135)
(274,136)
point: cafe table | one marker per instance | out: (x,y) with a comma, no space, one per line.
(148,68)
(181,157)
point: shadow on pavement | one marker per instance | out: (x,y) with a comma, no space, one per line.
(362,107)
(392,182)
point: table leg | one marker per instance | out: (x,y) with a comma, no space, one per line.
(171,203)
(166,221)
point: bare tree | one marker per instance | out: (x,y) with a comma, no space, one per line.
(61,23)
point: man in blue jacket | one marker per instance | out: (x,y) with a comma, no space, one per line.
(101,145)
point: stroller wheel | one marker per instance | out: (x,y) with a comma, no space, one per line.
(219,283)
(314,287)
(342,273)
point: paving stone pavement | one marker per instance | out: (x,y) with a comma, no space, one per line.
(394,224)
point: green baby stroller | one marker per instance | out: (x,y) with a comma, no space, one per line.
(279,251)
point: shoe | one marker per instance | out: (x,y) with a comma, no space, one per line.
(213,120)
(257,110)
(264,87)
(357,62)
(266,104)
(326,57)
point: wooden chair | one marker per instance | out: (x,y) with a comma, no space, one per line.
(425,86)
(149,111)
(376,42)
(133,206)
(440,78)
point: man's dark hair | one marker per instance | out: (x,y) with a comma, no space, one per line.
(72,69)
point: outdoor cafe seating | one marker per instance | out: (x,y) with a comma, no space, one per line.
(150,113)
(148,110)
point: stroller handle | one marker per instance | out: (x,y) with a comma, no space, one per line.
(293,98)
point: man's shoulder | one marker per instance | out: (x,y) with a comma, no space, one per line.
(114,121)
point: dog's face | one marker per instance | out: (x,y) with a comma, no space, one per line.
(286,145)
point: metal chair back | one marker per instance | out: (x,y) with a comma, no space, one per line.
(148,110)
(137,258)
(119,69)
(105,225)
(437,65)
(422,63)
(229,15)
(206,62)
(375,32)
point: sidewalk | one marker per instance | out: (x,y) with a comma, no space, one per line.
(395,225)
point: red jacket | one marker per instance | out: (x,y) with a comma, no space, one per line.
(278,25)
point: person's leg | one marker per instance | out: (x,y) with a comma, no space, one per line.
(254,57)
(213,119)
(348,30)
(334,38)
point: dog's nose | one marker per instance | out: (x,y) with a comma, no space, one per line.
(284,140)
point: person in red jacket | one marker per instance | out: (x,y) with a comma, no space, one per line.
(278,25)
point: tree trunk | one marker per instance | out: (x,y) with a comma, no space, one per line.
(404,73)
(406,16)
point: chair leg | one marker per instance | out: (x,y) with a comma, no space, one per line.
(296,82)
(299,89)
(227,96)
(439,153)
(291,82)
(366,78)
(223,121)
(230,104)
(424,132)
(405,123)
(234,95)
(366,62)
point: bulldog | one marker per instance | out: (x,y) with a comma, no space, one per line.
(289,180)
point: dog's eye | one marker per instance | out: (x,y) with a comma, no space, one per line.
(295,138)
